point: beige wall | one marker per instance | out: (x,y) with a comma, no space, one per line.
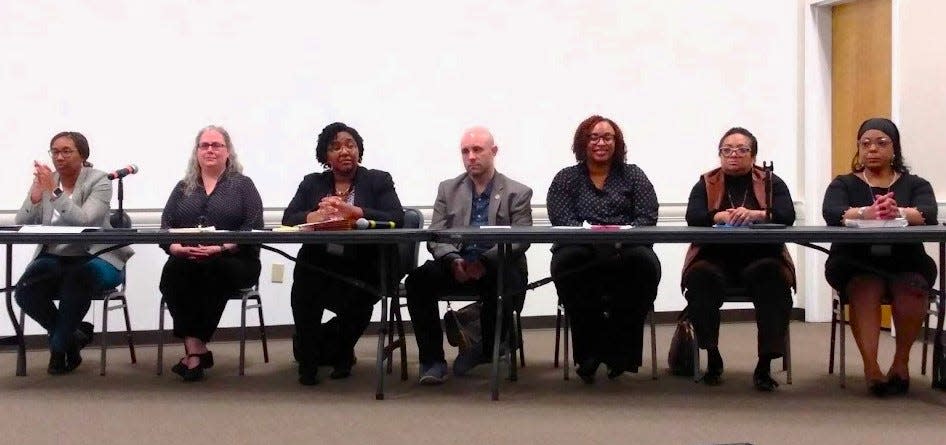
(919,102)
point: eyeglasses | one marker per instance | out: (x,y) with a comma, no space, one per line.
(338,145)
(607,138)
(211,145)
(64,153)
(880,143)
(730,151)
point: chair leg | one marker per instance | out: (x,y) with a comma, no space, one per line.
(522,349)
(128,332)
(653,345)
(841,341)
(262,328)
(399,324)
(834,329)
(926,341)
(787,358)
(696,359)
(558,328)
(160,360)
(389,352)
(512,340)
(243,335)
(103,339)
(565,349)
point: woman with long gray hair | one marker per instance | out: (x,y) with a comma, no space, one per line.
(198,279)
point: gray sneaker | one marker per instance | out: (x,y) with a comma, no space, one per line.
(434,374)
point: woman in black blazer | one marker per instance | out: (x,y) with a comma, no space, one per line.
(348,191)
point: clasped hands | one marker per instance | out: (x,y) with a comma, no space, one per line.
(884,207)
(42,181)
(200,252)
(739,216)
(334,208)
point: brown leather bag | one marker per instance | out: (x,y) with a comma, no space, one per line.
(680,356)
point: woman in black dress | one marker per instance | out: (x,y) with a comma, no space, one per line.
(880,186)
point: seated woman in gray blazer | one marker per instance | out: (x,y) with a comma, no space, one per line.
(74,194)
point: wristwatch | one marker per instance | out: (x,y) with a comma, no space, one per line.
(860,212)
(57,192)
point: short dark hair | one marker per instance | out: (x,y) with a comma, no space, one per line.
(81,143)
(753,142)
(327,136)
(583,136)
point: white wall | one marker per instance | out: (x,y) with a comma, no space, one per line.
(139,79)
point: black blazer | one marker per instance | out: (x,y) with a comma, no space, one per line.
(374,193)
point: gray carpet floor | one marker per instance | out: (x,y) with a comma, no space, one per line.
(133,405)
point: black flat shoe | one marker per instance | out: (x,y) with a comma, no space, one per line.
(340,372)
(878,388)
(587,369)
(897,385)
(764,382)
(206,362)
(84,334)
(73,358)
(615,372)
(713,377)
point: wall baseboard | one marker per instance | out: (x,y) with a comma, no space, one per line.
(282,332)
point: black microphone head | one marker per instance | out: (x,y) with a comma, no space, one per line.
(120,220)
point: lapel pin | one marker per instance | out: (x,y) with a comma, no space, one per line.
(496,197)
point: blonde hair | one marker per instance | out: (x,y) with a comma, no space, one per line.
(192,174)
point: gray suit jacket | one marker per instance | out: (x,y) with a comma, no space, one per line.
(509,206)
(89,206)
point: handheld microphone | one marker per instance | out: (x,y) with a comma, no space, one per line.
(363,224)
(129,169)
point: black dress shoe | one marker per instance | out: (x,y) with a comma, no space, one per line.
(83,334)
(73,358)
(897,385)
(764,382)
(587,369)
(57,363)
(878,388)
(308,376)
(340,372)
(713,377)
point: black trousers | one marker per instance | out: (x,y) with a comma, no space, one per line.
(608,301)
(314,292)
(434,280)
(764,280)
(196,292)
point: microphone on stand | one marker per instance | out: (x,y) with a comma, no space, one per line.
(129,169)
(364,224)
(767,168)
(119,219)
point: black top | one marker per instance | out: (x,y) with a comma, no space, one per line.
(738,193)
(374,193)
(234,204)
(628,197)
(847,191)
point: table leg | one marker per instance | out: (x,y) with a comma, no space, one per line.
(17,328)
(500,271)
(383,266)
(938,338)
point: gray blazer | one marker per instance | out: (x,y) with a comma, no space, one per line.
(89,206)
(509,206)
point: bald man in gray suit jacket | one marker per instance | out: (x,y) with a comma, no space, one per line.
(481,196)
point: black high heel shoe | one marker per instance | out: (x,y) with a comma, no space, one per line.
(587,369)
(897,385)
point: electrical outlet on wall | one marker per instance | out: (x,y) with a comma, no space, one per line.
(278,271)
